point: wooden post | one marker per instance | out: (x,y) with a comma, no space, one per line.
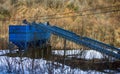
(64,52)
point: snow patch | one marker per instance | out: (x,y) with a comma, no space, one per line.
(91,54)
(85,54)
(3,52)
(68,52)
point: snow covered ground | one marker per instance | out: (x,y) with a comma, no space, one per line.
(36,66)
(25,65)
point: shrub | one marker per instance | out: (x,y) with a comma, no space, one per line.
(4,12)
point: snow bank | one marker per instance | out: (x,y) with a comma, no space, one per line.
(91,54)
(3,52)
(85,54)
(68,52)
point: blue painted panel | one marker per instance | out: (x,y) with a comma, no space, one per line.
(23,35)
(18,28)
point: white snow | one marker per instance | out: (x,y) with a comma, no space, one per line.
(35,66)
(91,54)
(3,52)
(25,65)
(68,52)
(85,54)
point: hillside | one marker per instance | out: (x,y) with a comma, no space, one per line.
(98,19)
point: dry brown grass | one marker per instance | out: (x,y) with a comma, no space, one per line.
(103,27)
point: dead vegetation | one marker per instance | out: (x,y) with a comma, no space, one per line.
(104,27)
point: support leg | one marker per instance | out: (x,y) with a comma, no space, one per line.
(64,52)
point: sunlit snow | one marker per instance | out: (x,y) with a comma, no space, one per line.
(86,54)
(24,65)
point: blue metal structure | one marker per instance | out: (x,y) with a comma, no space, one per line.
(85,41)
(25,36)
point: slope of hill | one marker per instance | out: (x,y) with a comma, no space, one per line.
(95,23)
